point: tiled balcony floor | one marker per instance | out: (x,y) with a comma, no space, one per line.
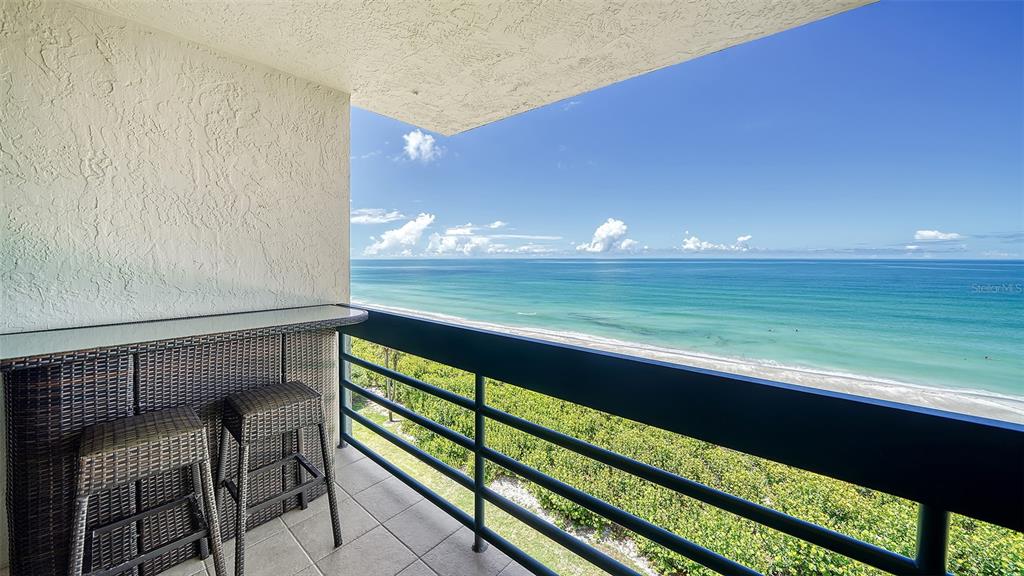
(387,527)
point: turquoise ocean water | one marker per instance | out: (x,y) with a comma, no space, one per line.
(953,324)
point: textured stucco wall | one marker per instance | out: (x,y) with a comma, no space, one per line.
(145,177)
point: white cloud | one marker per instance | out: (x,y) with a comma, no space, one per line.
(534,249)
(695,244)
(936,235)
(464,230)
(422,147)
(570,105)
(469,228)
(606,237)
(365,156)
(525,237)
(375,216)
(692,243)
(458,244)
(629,245)
(609,236)
(465,240)
(402,239)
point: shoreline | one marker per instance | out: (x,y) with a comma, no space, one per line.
(964,401)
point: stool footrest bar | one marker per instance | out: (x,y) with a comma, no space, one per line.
(317,479)
(107,528)
(152,554)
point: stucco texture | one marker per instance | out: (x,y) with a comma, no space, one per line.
(452,65)
(147,177)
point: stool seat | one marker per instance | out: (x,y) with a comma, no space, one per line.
(124,451)
(272,410)
(120,451)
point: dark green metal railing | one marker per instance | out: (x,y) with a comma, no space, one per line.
(946,462)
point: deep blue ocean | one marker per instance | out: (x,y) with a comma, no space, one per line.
(939,323)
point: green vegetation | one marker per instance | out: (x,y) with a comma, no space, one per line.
(976,548)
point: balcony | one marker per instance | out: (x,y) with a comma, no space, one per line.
(398,520)
(175,228)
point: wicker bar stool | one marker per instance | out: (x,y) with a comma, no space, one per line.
(126,450)
(268,411)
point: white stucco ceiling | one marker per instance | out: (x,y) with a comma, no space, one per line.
(454,65)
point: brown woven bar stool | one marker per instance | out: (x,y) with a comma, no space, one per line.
(274,410)
(126,450)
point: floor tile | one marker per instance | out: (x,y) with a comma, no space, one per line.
(376,553)
(293,517)
(279,555)
(317,538)
(455,557)
(387,498)
(417,568)
(422,526)
(257,540)
(189,567)
(346,456)
(263,532)
(360,475)
(514,569)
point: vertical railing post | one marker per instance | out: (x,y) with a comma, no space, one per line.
(479,544)
(932,540)
(345,400)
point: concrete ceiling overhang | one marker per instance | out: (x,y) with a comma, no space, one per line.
(455,65)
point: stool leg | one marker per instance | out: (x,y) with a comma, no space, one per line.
(303,497)
(212,519)
(332,497)
(197,489)
(222,463)
(243,504)
(78,536)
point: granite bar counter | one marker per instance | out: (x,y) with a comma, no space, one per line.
(56,382)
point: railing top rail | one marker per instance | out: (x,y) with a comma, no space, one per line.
(963,464)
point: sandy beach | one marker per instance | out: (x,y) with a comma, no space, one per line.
(973,402)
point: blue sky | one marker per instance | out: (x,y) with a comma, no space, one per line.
(894,130)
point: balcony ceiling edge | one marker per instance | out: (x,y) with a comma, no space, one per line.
(452,66)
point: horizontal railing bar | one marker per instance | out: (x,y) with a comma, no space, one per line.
(568,541)
(435,427)
(835,541)
(434,498)
(894,448)
(511,550)
(456,475)
(452,397)
(515,553)
(653,532)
